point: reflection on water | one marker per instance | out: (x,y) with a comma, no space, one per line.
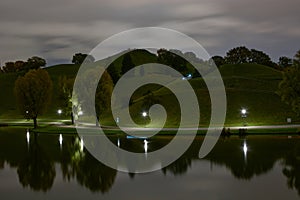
(245,149)
(36,170)
(35,161)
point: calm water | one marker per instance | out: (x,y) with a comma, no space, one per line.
(54,167)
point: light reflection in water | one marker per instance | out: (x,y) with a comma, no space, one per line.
(28,136)
(146,146)
(245,150)
(81,145)
(60,140)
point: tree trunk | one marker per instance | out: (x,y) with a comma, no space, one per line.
(72,118)
(35,122)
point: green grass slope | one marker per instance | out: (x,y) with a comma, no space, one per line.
(249,86)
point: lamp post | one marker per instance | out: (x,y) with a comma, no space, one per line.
(244,115)
(145,114)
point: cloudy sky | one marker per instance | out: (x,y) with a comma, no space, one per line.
(57,29)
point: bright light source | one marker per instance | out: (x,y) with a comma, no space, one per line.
(27,111)
(144,114)
(59,111)
(244,111)
(80,113)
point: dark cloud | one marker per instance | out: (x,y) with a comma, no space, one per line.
(57,29)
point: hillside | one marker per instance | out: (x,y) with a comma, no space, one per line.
(249,86)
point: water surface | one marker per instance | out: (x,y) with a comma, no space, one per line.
(50,166)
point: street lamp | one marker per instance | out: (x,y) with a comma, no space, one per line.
(244,115)
(244,112)
(59,111)
(144,114)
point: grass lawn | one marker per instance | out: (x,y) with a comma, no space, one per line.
(249,86)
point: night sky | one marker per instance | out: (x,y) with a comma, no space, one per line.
(57,29)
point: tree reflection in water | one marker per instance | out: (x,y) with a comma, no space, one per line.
(36,170)
(35,166)
(88,171)
(292,167)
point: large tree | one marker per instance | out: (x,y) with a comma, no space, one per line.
(173,58)
(85,92)
(65,86)
(103,95)
(35,62)
(289,87)
(238,55)
(260,57)
(33,92)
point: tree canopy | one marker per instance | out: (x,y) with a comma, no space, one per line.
(65,86)
(33,92)
(289,87)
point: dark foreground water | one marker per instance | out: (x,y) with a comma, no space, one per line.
(59,167)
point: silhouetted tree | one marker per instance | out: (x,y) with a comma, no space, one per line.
(174,59)
(285,62)
(238,55)
(34,62)
(260,57)
(218,60)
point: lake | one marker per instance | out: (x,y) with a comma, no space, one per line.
(54,166)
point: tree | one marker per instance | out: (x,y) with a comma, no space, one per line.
(37,170)
(174,59)
(289,87)
(78,58)
(218,60)
(19,65)
(103,95)
(285,62)
(33,92)
(65,86)
(35,62)
(296,61)
(86,94)
(9,67)
(127,63)
(238,55)
(260,57)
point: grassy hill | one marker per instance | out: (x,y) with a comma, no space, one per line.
(249,86)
